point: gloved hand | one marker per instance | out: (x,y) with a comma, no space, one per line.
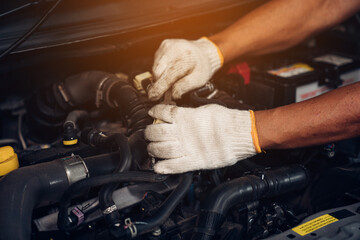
(185,64)
(207,137)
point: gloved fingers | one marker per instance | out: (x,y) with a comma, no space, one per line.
(173,166)
(169,149)
(157,90)
(186,84)
(163,112)
(160,132)
(176,69)
(160,65)
(164,57)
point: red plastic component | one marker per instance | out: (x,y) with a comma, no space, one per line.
(242,69)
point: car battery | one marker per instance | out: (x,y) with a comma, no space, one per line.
(288,81)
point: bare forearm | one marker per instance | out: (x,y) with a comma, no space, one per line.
(331,117)
(280,24)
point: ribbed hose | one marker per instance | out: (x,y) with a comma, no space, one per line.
(223,197)
(78,187)
(129,101)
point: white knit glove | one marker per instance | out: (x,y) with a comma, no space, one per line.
(207,137)
(185,64)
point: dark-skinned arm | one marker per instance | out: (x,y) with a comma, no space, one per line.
(330,117)
(278,25)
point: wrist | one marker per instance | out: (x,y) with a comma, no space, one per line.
(270,131)
(228,47)
(221,46)
(254,132)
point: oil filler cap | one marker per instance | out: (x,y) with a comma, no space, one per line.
(8,160)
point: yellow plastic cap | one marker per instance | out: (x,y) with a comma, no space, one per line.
(8,160)
(70,142)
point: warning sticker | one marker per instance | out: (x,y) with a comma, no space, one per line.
(314,224)
(292,70)
(313,89)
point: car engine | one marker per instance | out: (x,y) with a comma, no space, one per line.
(74,163)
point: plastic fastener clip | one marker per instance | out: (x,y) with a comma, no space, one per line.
(132,227)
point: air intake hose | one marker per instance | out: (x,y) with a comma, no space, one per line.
(249,188)
(49,108)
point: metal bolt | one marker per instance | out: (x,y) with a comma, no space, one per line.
(156,232)
(331,154)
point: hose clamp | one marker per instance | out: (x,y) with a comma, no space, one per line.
(75,168)
(103,91)
(110,209)
(100,92)
(64,93)
(132,227)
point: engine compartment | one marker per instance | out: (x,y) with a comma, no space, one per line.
(85,172)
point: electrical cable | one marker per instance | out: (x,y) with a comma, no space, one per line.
(21,137)
(7,141)
(18,9)
(30,31)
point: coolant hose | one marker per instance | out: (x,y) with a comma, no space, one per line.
(25,188)
(75,116)
(94,137)
(106,201)
(70,127)
(166,208)
(249,188)
(77,188)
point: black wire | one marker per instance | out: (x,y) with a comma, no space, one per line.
(31,31)
(18,9)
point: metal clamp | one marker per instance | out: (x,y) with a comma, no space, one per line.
(110,209)
(132,227)
(64,94)
(102,92)
(99,92)
(75,168)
